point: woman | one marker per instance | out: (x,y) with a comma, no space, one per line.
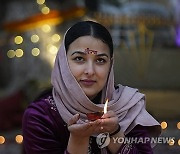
(82,80)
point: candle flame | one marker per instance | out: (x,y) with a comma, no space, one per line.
(105,106)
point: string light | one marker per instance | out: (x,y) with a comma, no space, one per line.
(163,125)
(52,49)
(179,142)
(35,51)
(19,139)
(171,142)
(178,125)
(18,40)
(46,28)
(45,10)
(34,38)
(11,54)
(56,37)
(19,53)
(2,140)
(40,2)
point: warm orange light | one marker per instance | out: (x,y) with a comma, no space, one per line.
(164,125)
(19,139)
(178,125)
(171,142)
(179,142)
(2,139)
(105,106)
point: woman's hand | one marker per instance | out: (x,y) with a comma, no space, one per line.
(84,130)
(109,122)
(80,133)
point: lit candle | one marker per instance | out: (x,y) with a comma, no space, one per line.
(97,115)
(105,106)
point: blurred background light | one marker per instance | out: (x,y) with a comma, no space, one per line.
(56,38)
(45,10)
(52,49)
(11,54)
(34,38)
(164,125)
(178,125)
(171,142)
(19,53)
(35,51)
(46,28)
(40,2)
(18,39)
(19,139)
(2,140)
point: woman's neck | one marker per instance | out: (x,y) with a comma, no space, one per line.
(97,99)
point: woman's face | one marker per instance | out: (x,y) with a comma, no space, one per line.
(89,62)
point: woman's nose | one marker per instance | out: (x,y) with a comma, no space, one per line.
(89,69)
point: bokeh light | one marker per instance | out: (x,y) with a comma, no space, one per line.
(164,125)
(19,139)
(178,125)
(19,53)
(2,140)
(56,37)
(179,142)
(40,2)
(46,28)
(45,10)
(171,142)
(11,54)
(34,38)
(52,49)
(35,51)
(18,40)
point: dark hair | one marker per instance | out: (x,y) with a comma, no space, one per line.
(89,28)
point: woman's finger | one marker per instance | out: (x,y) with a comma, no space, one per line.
(109,114)
(74,119)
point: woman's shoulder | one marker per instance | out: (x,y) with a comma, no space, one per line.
(40,106)
(43,110)
(43,125)
(128,90)
(125,87)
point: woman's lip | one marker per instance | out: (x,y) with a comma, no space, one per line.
(87,82)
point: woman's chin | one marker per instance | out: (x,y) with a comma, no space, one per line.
(91,96)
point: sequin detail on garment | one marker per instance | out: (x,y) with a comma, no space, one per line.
(50,100)
(126,149)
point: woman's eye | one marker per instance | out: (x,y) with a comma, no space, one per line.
(101,60)
(79,59)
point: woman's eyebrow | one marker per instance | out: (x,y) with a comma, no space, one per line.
(102,54)
(83,53)
(78,52)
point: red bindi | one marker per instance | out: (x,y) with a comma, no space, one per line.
(88,51)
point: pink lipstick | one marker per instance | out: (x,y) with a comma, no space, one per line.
(87,82)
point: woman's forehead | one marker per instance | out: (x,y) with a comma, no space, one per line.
(89,45)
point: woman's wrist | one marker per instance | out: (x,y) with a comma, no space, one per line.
(114,145)
(116,131)
(77,144)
